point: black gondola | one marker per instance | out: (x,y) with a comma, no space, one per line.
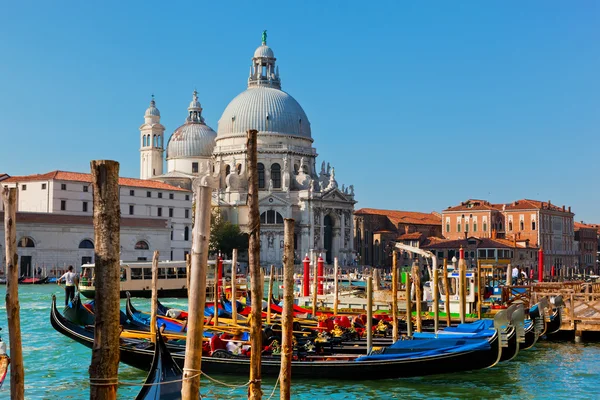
(164,380)
(139,354)
(553,325)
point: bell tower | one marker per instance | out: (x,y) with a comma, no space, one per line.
(151,143)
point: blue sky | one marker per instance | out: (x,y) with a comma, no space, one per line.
(420,105)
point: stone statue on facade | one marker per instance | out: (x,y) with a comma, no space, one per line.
(351,190)
(328,168)
(286,175)
(270,185)
(323,167)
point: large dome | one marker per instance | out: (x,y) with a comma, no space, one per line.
(266,109)
(191,140)
(194,138)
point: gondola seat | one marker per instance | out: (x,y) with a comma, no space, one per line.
(217,344)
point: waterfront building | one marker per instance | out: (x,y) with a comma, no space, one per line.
(290,185)
(542,223)
(586,239)
(54,221)
(376,231)
(498,252)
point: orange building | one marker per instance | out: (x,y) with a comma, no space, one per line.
(541,223)
(586,237)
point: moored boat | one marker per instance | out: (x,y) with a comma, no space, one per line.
(425,359)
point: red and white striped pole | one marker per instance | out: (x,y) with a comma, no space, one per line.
(320,267)
(306,277)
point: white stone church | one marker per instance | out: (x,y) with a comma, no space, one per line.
(290,184)
(54,219)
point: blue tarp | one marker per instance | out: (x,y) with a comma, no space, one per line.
(414,349)
(472,327)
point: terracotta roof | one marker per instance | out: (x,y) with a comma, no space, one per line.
(4,176)
(485,243)
(54,218)
(81,177)
(580,225)
(403,217)
(410,236)
(474,205)
(527,204)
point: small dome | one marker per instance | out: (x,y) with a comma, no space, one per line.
(152,111)
(191,140)
(264,51)
(265,109)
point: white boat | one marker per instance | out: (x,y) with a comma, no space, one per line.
(136,278)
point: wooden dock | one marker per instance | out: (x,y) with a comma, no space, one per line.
(581,311)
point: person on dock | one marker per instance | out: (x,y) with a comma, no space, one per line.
(70,278)
(515,275)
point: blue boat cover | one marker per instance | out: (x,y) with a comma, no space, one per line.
(472,327)
(210,312)
(415,349)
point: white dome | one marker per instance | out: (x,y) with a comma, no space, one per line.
(191,140)
(267,110)
(152,111)
(264,51)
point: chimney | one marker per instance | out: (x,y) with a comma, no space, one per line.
(569,208)
(563,208)
(406,228)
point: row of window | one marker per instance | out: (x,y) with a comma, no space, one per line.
(498,226)
(27,241)
(63,186)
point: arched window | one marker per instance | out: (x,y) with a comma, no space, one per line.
(261,175)
(86,244)
(510,226)
(144,141)
(25,242)
(533,225)
(227,170)
(142,245)
(521,225)
(296,169)
(271,217)
(186,233)
(239,169)
(276,175)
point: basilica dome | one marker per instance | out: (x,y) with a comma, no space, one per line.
(194,138)
(264,106)
(266,109)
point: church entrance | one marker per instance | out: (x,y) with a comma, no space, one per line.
(328,239)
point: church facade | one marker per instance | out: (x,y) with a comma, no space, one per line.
(290,184)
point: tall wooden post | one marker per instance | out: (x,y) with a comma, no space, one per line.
(395,296)
(188,271)
(233,286)
(287,317)
(408,306)
(254,389)
(107,220)
(479,291)
(369,313)
(335,286)
(435,291)
(154,303)
(271,279)
(216,296)
(314,288)
(418,296)
(447,291)
(462,284)
(17,373)
(197,300)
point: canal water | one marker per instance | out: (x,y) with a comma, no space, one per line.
(56,368)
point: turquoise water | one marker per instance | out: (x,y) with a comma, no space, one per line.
(56,368)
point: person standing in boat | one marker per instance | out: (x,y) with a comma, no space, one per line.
(70,278)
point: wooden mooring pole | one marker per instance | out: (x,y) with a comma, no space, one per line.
(462,285)
(369,313)
(154,302)
(216,296)
(270,295)
(447,292)
(336,287)
(17,372)
(104,368)
(436,299)
(287,318)
(479,289)
(188,271)
(190,389)
(254,389)
(394,296)
(418,296)
(233,286)
(408,306)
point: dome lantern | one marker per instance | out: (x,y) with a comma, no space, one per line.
(152,111)
(263,71)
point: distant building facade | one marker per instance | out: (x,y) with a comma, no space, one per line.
(54,221)
(541,223)
(586,238)
(376,231)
